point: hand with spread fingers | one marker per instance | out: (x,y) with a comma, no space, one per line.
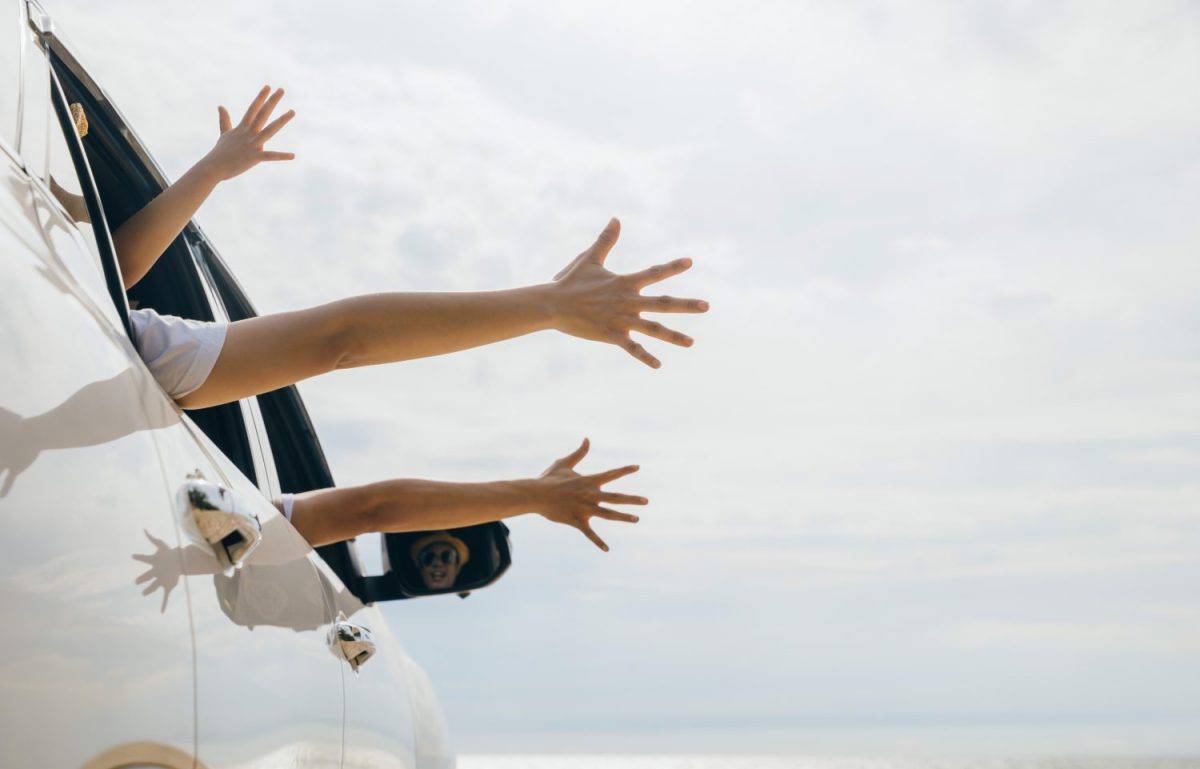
(560,494)
(564,496)
(143,237)
(595,303)
(164,571)
(241,147)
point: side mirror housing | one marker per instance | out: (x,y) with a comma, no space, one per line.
(438,562)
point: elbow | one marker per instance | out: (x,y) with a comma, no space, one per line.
(129,274)
(370,512)
(344,342)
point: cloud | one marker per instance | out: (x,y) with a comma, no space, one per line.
(1105,637)
(933,453)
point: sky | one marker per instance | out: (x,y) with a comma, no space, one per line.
(927,480)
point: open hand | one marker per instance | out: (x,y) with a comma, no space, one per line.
(17,449)
(565,496)
(164,568)
(240,147)
(594,303)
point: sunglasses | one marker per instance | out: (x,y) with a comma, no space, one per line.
(446,557)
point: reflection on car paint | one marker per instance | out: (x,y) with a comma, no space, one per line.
(260,592)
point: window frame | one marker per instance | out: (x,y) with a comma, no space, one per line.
(296,451)
(286,451)
(185,291)
(91,196)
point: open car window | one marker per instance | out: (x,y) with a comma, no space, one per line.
(78,197)
(127,178)
(63,180)
(123,183)
(299,459)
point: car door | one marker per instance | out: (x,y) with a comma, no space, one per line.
(266,689)
(92,672)
(269,689)
(379,715)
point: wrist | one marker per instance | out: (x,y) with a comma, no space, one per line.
(529,494)
(544,303)
(208,171)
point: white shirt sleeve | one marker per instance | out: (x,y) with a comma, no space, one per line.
(180,353)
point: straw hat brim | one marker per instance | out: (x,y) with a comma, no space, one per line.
(464,553)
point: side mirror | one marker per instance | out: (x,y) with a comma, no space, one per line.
(436,562)
(232,530)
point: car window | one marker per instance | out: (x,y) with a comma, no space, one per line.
(11,32)
(64,182)
(295,447)
(124,185)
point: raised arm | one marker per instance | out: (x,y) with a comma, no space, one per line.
(585,300)
(142,238)
(559,494)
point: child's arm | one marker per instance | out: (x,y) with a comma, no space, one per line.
(145,236)
(586,300)
(75,204)
(560,494)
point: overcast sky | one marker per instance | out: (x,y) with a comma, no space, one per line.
(928,479)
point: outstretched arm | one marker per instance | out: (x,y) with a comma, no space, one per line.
(142,238)
(560,494)
(585,300)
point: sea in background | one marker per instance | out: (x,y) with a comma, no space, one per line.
(610,761)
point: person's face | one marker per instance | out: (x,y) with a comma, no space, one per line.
(439,565)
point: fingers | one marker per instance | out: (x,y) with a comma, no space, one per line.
(264,112)
(605,242)
(670,304)
(622,499)
(269,156)
(147,574)
(659,331)
(613,515)
(278,123)
(572,459)
(633,348)
(659,272)
(608,476)
(595,538)
(255,105)
(639,352)
(223,120)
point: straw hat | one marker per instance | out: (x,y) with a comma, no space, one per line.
(81,123)
(464,554)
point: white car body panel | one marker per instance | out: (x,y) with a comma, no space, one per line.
(265,675)
(88,663)
(379,716)
(128,644)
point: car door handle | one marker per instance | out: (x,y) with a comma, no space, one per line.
(351,642)
(230,528)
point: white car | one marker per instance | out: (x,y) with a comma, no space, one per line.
(159,612)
